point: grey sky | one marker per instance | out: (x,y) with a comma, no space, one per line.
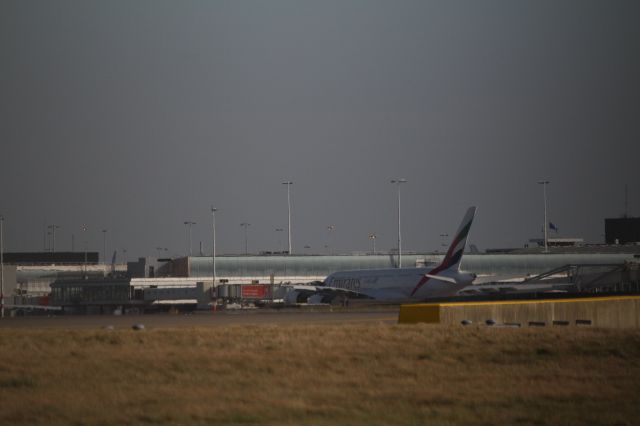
(137,116)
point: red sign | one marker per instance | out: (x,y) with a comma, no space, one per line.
(254,291)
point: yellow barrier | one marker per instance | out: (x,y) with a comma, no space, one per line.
(614,311)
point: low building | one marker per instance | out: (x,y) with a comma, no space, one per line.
(129,295)
(558,242)
(623,230)
(28,276)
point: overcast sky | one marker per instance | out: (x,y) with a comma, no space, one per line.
(136,116)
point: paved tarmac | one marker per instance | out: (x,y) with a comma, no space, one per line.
(202,319)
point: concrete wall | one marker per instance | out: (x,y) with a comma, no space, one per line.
(616,312)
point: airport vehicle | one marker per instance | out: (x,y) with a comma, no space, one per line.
(395,284)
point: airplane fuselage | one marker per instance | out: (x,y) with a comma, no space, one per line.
(398,283)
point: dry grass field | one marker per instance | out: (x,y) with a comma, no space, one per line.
(320,374)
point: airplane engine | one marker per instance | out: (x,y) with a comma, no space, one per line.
(291,297)
(295,296)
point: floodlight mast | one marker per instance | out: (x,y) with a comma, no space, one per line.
(104,246)
(373,237)
(245,225)
(86,247)
(289,183)
(544,184)
(213,254)
(53,237)
(189,224)
(398,182)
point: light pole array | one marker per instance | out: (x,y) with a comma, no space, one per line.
(189,224)
(289,183)
(398,182)
(245,225)
(544,184)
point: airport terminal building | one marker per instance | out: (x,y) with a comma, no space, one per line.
(150,282)
(189,280)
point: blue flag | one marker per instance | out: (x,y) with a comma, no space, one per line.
(553,227)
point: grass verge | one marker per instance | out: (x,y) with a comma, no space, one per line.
(319,374)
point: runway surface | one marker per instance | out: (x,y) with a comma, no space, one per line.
(228,318)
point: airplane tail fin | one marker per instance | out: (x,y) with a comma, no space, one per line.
(454,254)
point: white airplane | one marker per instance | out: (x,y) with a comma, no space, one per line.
(395,284)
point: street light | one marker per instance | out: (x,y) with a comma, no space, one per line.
(330,230)
(53,234)
(398,182)
(245,225)
(544,184)
(189,224)
(373,237)
(213,253)
(289,183)
(104,245)
(86,243)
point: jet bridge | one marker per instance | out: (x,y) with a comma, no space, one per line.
(572,278)
(593,278)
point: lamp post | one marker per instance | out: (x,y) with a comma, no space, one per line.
(189,224)
(213,253)
(84,234)
(544,184)
(245,225)
(1,267)
(398,182)
(330,230)
(289,183)
(373,237)
(53,237)
(104,245)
